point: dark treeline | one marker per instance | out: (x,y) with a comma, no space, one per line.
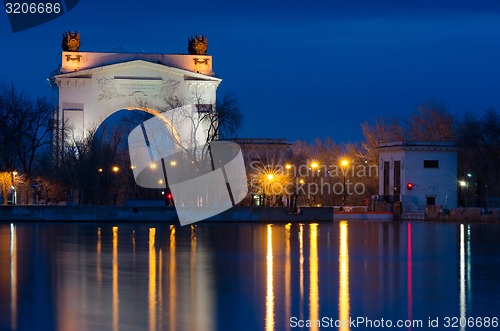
(96,169)
(477,136)
(93,168)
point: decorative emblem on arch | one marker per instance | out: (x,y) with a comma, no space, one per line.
(197,45)
(73,58)
(71,41)
(200,61)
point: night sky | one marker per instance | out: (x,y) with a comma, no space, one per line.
(300,70)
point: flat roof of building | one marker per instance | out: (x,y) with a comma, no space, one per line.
(419,144)
(261,141)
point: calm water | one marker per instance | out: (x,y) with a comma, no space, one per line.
(247,276)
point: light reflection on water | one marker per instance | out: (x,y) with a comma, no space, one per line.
(243,276)
(269,281)
(344,305)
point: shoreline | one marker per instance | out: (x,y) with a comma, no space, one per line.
(164,214)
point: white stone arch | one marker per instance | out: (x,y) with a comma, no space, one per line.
(168,124)
(89,87)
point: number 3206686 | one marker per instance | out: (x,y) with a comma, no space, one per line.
(32,8)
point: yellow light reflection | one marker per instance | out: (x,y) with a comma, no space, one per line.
(160,287)
(269,281)
(115,280)
(288,269)
(192,277)
(462,303)
(99,265)
(344,304)
(301,267)
(172,289)
(152,280)
(313,275)
(13,277)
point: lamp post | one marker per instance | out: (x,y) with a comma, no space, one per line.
(115,169)
(289,200)
(314,166)
(344,163)
(463,186)
(14,192)
(269,178)
(476,188)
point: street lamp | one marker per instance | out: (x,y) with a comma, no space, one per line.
(289,197)
(344,163)
(463,186)
(14,192)
(314,166)
(269,179)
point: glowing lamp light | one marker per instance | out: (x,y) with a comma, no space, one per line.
(169,195)
(409,186)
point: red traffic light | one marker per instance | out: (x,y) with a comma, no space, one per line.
(409,186)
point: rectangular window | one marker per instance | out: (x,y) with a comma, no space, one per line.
(73,120)
(431,164)
(397,177)
(204,108)
(386,178)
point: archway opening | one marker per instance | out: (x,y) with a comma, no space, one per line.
(105,169)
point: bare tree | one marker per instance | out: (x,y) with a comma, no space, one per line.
(431,122)
(13,105)
(25,129)
(5,184)
(226,120)
(479,155)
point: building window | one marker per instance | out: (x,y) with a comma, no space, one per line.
(204,108)
(386,178)
(431,164)
(397,177)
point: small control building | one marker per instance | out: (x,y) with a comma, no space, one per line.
(418,174)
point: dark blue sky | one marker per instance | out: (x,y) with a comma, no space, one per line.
(300,70)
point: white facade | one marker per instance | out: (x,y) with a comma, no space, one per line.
(429,167)
(89,86)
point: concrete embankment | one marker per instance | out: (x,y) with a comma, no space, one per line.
(154,214)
